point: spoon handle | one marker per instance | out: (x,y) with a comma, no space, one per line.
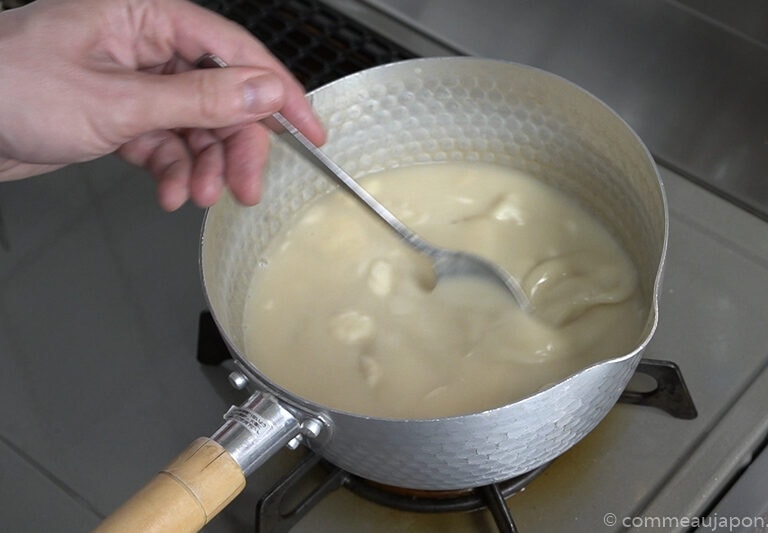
(324,163)
(444,262)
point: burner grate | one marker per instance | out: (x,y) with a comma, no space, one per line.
(274,515)
(317,43)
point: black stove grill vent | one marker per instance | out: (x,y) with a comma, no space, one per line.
(316,42)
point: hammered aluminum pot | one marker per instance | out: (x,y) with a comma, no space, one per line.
(424,111)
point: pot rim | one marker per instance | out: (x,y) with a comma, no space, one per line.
(312,408)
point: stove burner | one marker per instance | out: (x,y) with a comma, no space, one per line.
(274,515)
(430,501)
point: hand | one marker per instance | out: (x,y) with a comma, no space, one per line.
(83,78)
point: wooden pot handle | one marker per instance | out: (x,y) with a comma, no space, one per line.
(184,496)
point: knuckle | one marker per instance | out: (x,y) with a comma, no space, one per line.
(214,105)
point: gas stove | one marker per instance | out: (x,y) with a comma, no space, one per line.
(656,383)
(640,469)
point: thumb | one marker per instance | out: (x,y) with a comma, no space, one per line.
(213,98)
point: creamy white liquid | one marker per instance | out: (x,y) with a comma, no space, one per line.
(344,314)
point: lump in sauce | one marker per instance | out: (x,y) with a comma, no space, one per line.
(347,316)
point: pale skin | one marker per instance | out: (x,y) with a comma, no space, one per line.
(80,79)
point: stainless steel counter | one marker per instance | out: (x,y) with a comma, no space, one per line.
(691,78)
(109,390)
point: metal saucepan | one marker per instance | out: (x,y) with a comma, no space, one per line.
(418,111)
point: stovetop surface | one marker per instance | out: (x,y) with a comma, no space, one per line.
(689,76)
(659,463)
(99,300)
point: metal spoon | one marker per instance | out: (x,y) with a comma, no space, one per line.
(445,262)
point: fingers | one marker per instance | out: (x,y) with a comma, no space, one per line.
(199,164)
(205,99)
(246,153)
(192,31)
(164,154)
(212,153)
(223,144)
(200,31)
(208,173)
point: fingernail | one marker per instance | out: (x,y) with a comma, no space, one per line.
(263,94)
